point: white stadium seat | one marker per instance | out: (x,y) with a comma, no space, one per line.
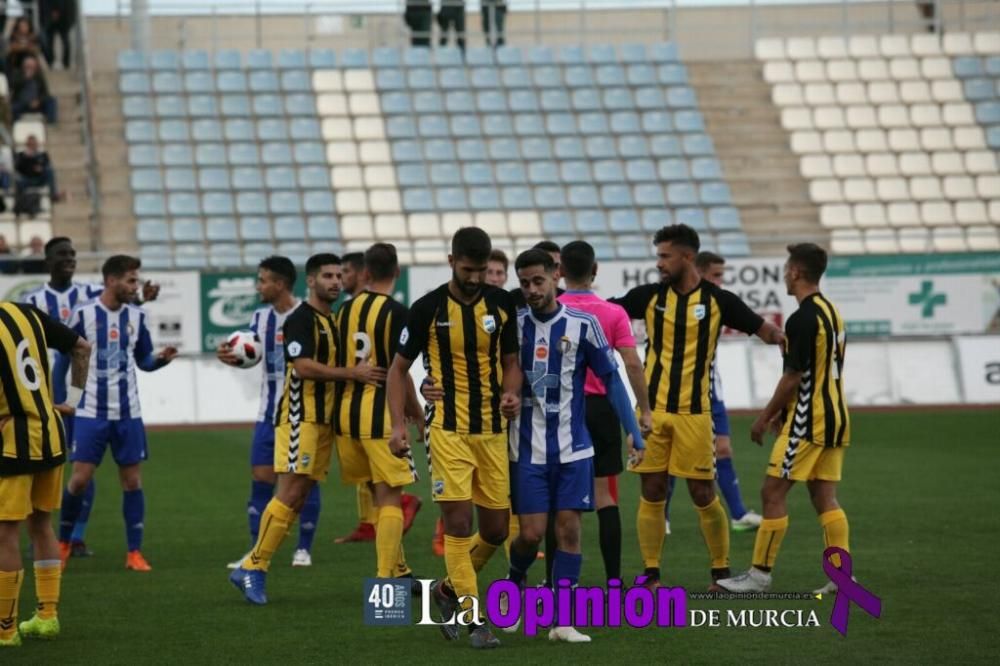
(816,166)
(426,225)
(969,138)
(947,90)
(346,177)
(925,44)
(359,80)
(981,162)
(859,190)
(779,71)
(986,43)
(959,113)
(903,140)
(904,69)
(926,188)
(994,210)
(947,163)
(492,223)
(957,188)
(831,47)
(838,141)
(807,142)
(836,216)
(847,241)
(871,141)
(846,166)
(770,49)
(797,118)
(524,223)
(893,115)
(883,92)
(936,138)
(829,117)
(364,104)
(988,186)
(341,152)
(949,239)
(390,226)
(810,71)
(870,215)
(356,227)
(873,69)
(863,46)
(892,46)
(915,164)
(892,189)
(913,239)
(971,212)
(881,164)
(937,213)
(926,115)
(862,117)
(825,191)
(914,92)
(958,43)
(904,214)
(352,201)
(881,241)
(452,222)
(851,93)
(936,68)
(385,201)
(328,80)
(380,176)
(842,70)
(787,94)
(819,94)
(332,104)
(369,127)
(801,48)
(983,239)
(336,129)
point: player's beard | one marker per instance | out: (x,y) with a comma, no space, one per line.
(469,289)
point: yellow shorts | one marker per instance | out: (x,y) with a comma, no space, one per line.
(22,495)
(681,444)
(465,467)
(304,448)
(371,460)
(804,461)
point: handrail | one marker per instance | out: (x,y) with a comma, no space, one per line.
(93,169)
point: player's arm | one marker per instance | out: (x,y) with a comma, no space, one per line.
(801,338)
(64,339)
(513,377)
(636,300)
(737,314)
(637,380)
(144,356)
(601,360)
(313,370)
(397,322)
(412,341)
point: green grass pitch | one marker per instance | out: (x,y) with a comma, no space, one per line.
(920,491)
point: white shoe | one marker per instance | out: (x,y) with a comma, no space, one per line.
(667,524)
(753,580)
(750,521)
(302,558)
(567,635)
(831,587)
(504,606)
(236,564)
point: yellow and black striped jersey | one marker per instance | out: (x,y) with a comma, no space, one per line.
(368,327)
(682,334)
(307,333)
(32,437)
(815,343)
(462,346)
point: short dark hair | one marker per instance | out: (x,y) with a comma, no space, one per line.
(280,266)
(706,259)
(381,261)
(119,264)
(471,243)
(50,246)
(535,257)
(355,259)
(317,261)
(577,259)
(548,246)
(678,234)
(498,255)
(810,258)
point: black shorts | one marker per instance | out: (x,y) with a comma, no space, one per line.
(606,432)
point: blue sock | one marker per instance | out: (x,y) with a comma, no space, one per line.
(730,487)
(260,495)
(519,563)
(671,482)
(566,566)
(72,505)
(308,519)
(80,528)
(134,512)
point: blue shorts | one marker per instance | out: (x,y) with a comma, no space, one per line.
(551,488)
(68,427)
(262,448)
(720,419)
(92,436)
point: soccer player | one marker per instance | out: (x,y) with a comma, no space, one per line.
(57,298)
(467,332)
(368,328)
(809,408)
(303,437)
(32,453)
(551,451)
(109,412)
(554,251)
(275,284)
(579,268)
(684,315)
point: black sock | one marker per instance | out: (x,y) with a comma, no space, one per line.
(609,525)
(550,549)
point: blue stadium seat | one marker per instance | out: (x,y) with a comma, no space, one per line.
(484,198)
(217,203)
(465,125)
(672,74)
(259,59)
(698,144)
(604,249)
(134,83)
(978,90)
(988,113)
(472,150)
(993,137)
(224,255)
(322,58)
(152,231)
(591,222)
(541,55)
(593,123)
(477,173)
(993,66)
(170,106)
(681,97)
(451,199)
(140,131)
(459,101)
(239,129)
(354,58)
(673,169)
(724,218)
(601,147)
(536,148)
(478,56)
(143,154)
(600,54)
(267,105)
(663,52)
(417,57)
(323,227)
(157,257)
(137,107)
(529,124)
(271,129)
(641,75)
(618,99)
(255,228)
(432,126)
(176,154)
(453,78)
(625,122)
(444,174)
(624,221)
(254,253)
(967,67)
(578,77)
(428,102)
(575,172)
(571,55)
(400,127)
(586,99)
(235,106)
(485,78)
(213,179)
(396,103)
(386,57)
(198,82)
(616,196)
(279,178)
(248,178)
(706,168)
(508,55)
(557,222)
(583,196)
(439,150)
(448,56)
(543,173)
(610,75)
(521,101)
(649,195)
(300,104)
(195,60)
(654,219)
(650,99)
(555,100)
(640,170)
(516,197)
(291,59)
(511,173)
(245,154)
(130,61)
(251,203)
(221,229)
(547,77)
(190,256)
(693,217)
(516,77)
(682,194)
(206,130)
(551,196)
(406,151)
(411,174)
(569,148)
(491,101)
(504,149)
(146,180)
(665,145)
(149,205)
(180,179)
(183,204)
(733,245)
(560,124)
(318,202)
(689,121)
(390,79)
(165,60)
(231,82)
(633,247)
(633,145)
(285,203)
(310,152)
(633,53)
(227,59)
(716,194)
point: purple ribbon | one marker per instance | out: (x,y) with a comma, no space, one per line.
(848,590)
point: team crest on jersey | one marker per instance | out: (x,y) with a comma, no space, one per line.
(404,336)
(294,349)
(699,312)
(130,329)
(113,334)
(541,353)
(565,344)
(64,314)
(489,323)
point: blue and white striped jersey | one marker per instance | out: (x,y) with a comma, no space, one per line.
(267,323)
(555,355)
(121,342)
(715,387)
(60,305)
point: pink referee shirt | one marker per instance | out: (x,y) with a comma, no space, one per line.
(613,320)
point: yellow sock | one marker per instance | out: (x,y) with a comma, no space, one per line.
(402,568)
(769,537)
(388,535)
(481,551)
(367,511)
(835,531)
(512,532)
(715,528)
(48,575)
(458,563)
(652,528)
(10,590)
(274,524)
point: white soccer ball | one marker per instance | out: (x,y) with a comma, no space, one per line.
(246,346)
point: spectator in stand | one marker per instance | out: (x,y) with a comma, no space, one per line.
(22,44)
(495,17)
(452,15)
(418,17)
(30,93)
(35,170)
(35,248)
(4,248)
(58,18)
